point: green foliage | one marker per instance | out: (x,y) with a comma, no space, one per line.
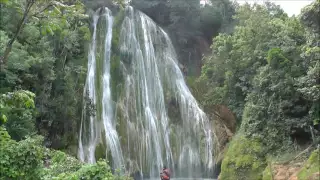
(52,16)
(236,58)
(217,17)
(276,58)
(28,159)
(267,173)
(308,84)
(185,14)
(309,88)
(4,136)
(309,17)
(245,159)
(266,73)
(49,59)
(98,171)
(4,1)
(59,162)
(17,111)
(271,112)
(20,160)
(311,166)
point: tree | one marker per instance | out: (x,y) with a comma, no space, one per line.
(308,83)
(51,14)
(27,8)
(185,19)
(237,57)
(17,113)
(48,58)
(216,17)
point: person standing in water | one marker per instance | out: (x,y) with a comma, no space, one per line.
(165,174)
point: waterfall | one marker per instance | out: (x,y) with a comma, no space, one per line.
(153,67)
(152,80)
(87,153)
(109,122)
(106,122)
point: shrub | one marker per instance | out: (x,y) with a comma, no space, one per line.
(20,160)
(276,59)
(244,160)
(59,162)
(311,166)
(17,113)
(97,171)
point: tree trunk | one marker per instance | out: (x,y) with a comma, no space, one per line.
(4,58)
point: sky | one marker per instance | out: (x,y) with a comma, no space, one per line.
(291,7)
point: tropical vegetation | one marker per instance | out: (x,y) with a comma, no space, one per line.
(254,59)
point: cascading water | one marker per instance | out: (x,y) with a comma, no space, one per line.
(152,81)
(88,135)
(152,67)
(109,123)
(104,121)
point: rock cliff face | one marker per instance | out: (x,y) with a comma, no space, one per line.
(224,124)
(201,49)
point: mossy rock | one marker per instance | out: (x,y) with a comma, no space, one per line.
(100,152)
(244,160)
(311,167)
(117,79)
(267,173)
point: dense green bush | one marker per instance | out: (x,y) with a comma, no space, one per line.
(271,112)
(311,166)
(276,59)
(99,171)
(267,173)
(245,159)
(17,111)
(28,159)
(58,162)
(20,160)
(47,57)
(260,36)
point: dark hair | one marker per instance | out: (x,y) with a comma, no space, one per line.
(164,167)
